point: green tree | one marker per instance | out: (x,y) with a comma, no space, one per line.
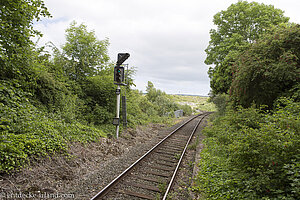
(152,92)
(162,102)
(237,27)
(270,68)
(83,52)
(16,29)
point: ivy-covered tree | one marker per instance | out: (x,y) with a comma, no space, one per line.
(237,27)
(16,30)
(270,68)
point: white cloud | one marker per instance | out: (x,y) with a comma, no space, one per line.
(166,38)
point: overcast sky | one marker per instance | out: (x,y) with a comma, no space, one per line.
(165,38)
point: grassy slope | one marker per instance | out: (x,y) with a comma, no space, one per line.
(198,103)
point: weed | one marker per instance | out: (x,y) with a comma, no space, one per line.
(162,187)
(177,156)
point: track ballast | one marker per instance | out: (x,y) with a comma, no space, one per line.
(152,175)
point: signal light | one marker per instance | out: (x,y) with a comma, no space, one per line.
(119,74)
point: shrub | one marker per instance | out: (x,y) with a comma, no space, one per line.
(27,133)
(221,102)
(251,154)
(187,110)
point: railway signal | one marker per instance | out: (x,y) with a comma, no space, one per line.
(119,79)
(119,74)
(122,57)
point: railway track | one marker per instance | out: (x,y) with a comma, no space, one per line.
(152,175)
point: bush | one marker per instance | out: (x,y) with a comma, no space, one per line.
(250,154)
(187,110)
(142,111)
(27,133)
(148,107)
(221,102)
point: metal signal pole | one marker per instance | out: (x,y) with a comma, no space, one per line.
(119,80)
(118,92)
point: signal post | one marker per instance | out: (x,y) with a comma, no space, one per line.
(119,77)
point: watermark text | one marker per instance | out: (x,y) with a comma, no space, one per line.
(29,195)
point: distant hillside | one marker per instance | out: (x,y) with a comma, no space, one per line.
(197,102)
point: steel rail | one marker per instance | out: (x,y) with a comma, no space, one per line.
(181,157)
(106,189)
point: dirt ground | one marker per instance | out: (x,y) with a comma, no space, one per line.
(88,168)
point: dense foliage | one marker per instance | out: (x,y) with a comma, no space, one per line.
(164,103)
(28,132)
(237,27)
(252,146)
(251,154)
(269,68)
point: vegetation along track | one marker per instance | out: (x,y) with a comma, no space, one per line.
(152,175)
